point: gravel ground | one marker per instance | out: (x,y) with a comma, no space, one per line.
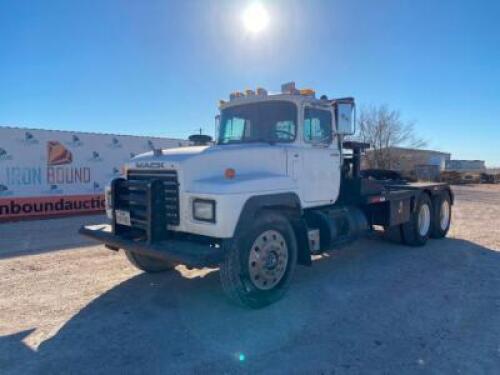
(68,306)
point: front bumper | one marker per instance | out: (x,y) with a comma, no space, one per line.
(185,252)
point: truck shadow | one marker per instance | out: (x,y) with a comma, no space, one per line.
(371,306)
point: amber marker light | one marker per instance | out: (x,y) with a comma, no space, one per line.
(229,173)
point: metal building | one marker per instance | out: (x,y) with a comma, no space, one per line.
(416,163)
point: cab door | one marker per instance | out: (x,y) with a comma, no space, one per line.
(319,178)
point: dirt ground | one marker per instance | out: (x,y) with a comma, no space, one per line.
(69,306)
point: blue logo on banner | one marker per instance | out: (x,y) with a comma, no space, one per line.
(95,188)
(4,191)
(150,145)
(75,141)
(95,157)
(115,172)
(115,143)
(54,189)
(4,155)
(29,139)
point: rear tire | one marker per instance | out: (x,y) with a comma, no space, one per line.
(148,264)
(441,219)
(417,230)
(259,266)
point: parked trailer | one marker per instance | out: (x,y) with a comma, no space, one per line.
(275,189)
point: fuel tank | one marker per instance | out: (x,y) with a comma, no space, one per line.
(337,226)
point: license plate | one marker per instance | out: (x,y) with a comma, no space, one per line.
(122,217)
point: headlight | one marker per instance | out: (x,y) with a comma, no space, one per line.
(204,210)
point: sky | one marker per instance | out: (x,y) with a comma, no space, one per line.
(159,67)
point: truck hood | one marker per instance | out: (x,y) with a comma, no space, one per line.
(171,155)
(206,164)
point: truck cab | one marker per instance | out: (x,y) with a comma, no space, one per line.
(274,188)
(265,145)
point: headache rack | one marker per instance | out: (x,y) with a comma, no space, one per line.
(152,199)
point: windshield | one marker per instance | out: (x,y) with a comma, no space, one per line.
(272,121)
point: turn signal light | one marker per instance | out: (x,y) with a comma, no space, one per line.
(229,173)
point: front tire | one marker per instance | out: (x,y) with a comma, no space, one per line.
(417,230)
(259,265)
(148,264)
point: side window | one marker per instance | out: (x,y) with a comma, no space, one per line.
(285,131)
(234,129)
(317,126)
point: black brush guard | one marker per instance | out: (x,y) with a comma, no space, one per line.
(152,199)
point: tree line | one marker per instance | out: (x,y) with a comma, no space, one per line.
(383,128)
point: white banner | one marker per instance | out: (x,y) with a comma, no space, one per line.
(56,164)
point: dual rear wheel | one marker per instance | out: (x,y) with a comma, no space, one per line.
(442,216)
(431,218)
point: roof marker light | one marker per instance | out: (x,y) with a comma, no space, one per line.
(307,92)
(236,94)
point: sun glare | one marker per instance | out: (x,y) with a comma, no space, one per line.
(255,17)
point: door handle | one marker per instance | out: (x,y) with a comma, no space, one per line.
(334,154)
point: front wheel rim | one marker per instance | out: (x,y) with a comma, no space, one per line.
(424,220)
(268,259)
(444,215)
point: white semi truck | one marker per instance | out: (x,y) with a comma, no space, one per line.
(279,185)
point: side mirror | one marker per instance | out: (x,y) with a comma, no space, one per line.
(346,116)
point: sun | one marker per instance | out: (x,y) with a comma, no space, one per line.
(255,17)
